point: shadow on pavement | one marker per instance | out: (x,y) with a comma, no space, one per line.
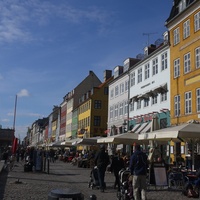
(3,180)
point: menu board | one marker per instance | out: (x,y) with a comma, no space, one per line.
(160,176)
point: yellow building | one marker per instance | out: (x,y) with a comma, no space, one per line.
(93,112)
(184,30)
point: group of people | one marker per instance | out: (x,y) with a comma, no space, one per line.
(138,167)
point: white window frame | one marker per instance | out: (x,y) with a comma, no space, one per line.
(177,105)
(125,107)
(140,75)
(112,93)
(111,112)
(132,79)
(116,110)
(154,100)
(188,103)
(121,108)
(131,106)
(176,36)
(146,71)
(154,66)
(198,99)
(126,85)
(187,63)
(177,68)
(197,57)
(164,62)
(186,29)
(146,102)
(116,90)
(163,97)
(197,22)
(121,88)
(139,104)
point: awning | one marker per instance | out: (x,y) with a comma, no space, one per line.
(141,127)
(135,127)
(148,128)
(185,132)
(88,141)
(125,138)
(72,142)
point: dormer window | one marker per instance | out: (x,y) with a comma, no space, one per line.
(182,5)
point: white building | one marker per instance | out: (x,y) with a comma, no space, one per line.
(150,88)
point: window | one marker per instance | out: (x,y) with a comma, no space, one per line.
(121,88)
(112,93)
(139,104)
(186,29)
(146,71)
(164,61)
(177,105)
(163,96)
(182,5)
(121,109)
(197,22)
(116,90)
(97,121)
(155,66)
(198,99)
(106,90)
(111,112)
(146,102)
(197,57)
(188,102)
(132,106)
(187,63)
(132,79)
(154,100)
(116,110)
(126,85)
(97,104)
(125,107)
(139,75)
(176,36)
(177,68)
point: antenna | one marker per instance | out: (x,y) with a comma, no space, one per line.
(148,34)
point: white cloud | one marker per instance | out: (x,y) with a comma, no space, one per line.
(18,17)
(5,120)
(23,93)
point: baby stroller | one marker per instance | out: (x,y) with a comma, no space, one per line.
(126,189)
(94,180)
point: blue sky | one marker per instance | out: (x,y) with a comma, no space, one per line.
(47,47)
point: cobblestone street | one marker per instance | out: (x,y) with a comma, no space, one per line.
(20,185)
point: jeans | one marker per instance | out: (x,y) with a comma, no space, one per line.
(101,175)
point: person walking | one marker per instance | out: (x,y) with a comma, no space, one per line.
(138,168)
(101,161)
(116,165)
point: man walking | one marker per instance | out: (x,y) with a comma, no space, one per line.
(101,161)
(138,167)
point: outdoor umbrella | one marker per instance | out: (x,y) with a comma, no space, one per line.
(88,141)
(187,132)
(125,138)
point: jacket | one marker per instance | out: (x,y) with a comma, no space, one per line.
(101,159)
(138,163)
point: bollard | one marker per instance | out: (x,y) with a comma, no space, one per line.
(93,197)
(48,165)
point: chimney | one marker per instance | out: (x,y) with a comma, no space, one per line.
(107,74)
